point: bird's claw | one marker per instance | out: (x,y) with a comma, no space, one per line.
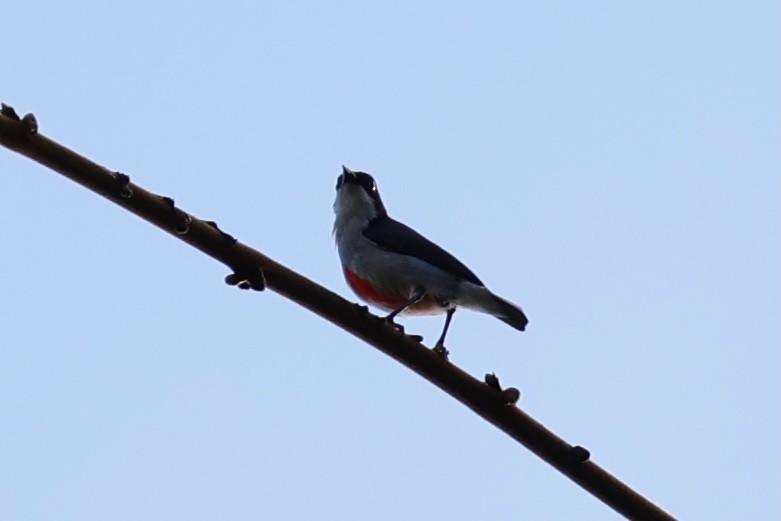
(442,351)
(398,327)
(389,320)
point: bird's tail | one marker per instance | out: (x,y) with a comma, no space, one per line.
(480,298)
(512,315)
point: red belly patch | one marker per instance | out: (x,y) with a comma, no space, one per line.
(364,289)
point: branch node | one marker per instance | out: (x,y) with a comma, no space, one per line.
(30,123)
(510,395)
(228,237)
(492,381)
(123,185)
(246,279)
(182,220)
(8,111)
(579,455)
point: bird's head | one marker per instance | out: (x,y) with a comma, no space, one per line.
(357,197)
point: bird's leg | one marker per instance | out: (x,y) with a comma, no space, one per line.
(439,347)
(416,296)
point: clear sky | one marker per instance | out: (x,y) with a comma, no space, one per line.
(613,167)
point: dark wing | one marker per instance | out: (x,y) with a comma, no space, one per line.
(392,235)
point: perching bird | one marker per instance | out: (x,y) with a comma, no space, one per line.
(394,268)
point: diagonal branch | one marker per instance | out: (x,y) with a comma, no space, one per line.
(253,269)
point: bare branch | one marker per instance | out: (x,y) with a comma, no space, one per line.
(252,269)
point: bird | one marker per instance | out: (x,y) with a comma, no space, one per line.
(396,269)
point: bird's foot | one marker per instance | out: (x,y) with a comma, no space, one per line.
(442,351)
(398,327)
(389,320)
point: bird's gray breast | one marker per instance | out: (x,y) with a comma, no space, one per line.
(390,271)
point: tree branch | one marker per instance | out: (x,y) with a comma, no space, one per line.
(252,269)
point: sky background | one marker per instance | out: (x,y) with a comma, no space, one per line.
(613,167)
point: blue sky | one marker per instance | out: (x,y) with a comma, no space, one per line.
(612,167)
